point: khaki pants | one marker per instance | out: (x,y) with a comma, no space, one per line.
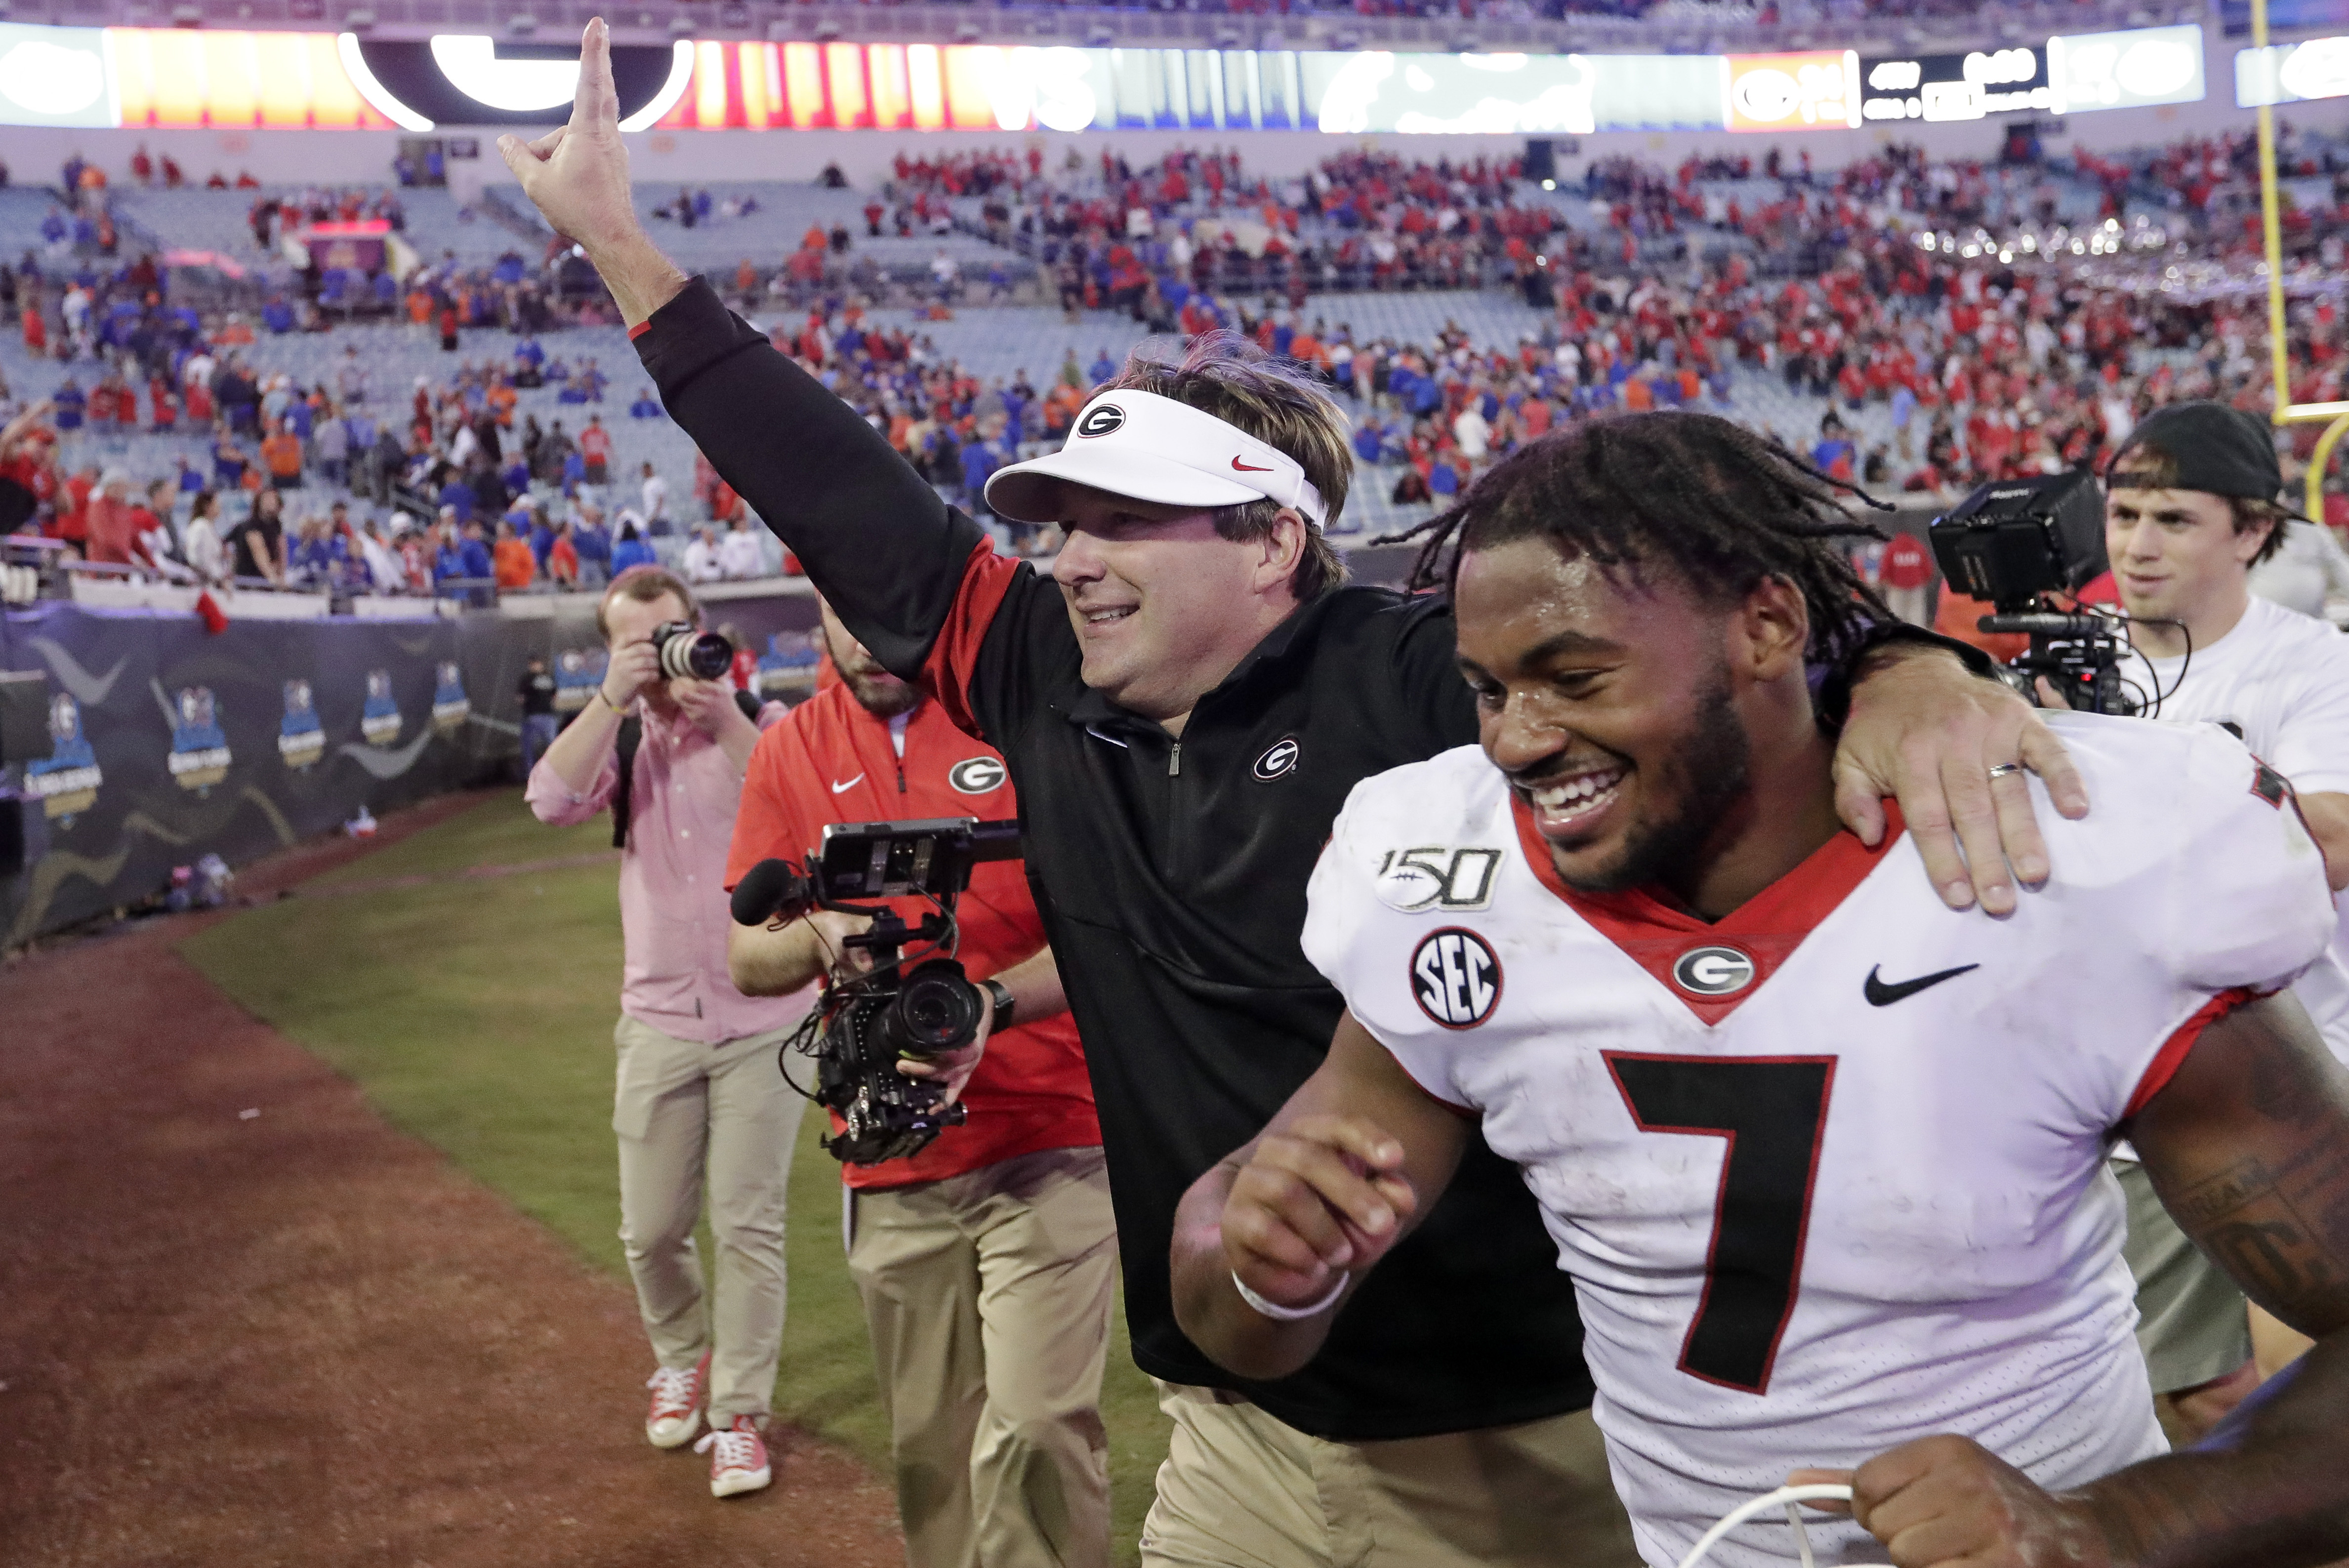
(1241,1489)
(987,1297)
(715,1120)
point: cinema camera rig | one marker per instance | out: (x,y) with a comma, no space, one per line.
(2020,543)
(912,1006)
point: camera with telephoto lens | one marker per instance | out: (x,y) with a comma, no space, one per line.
(686,652)
(2020,542)
(909,1006)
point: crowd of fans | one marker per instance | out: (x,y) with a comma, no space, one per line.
(336,483)
(332,489)
(1965,373)
(1904,367)
(1976,367)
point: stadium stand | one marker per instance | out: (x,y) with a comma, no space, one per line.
(1905,325)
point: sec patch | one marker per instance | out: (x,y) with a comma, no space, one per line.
(1456,977)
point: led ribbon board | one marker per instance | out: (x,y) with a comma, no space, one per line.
(2136,68)
(1942,87)
(1817,90)
(2291,73)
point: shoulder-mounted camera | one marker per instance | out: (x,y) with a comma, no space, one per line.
(910,1005)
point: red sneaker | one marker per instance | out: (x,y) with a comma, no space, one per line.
(738,1458)
(675,1413)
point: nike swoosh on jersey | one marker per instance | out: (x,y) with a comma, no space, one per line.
(1880,995)
(852,784)
(1248,468)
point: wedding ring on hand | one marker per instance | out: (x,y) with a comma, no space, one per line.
(2004,769)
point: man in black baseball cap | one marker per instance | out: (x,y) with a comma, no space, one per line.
(2191,507)
(2207,446)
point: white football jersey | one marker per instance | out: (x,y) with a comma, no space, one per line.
(1829,1173)
(2281,682)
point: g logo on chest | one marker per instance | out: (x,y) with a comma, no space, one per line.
(1280,758)
(977,774)
(1713,971)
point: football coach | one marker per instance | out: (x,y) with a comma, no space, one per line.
(1185,704)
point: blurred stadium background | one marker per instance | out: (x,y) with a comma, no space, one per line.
(1924,243)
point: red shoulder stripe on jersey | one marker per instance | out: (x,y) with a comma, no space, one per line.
(2276,790)
(954,657)
(2173,1052)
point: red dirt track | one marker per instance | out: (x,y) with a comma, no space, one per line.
(305,1338)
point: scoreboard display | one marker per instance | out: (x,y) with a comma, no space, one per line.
(165,78)
(1942,88)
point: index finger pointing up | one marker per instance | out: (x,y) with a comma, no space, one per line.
(596,104)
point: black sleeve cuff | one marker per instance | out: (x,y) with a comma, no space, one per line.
(1842,665)
(689,335)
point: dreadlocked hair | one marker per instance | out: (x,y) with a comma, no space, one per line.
(1707,499)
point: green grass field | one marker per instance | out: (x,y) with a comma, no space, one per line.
(476,1015)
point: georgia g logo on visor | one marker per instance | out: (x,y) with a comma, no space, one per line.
(976,775)
(1455,978)
(1101,420)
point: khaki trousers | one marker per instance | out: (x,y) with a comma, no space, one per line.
(714,1121)
(987,1297)
(1241,1489)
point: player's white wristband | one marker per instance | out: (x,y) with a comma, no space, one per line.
(1280,1313)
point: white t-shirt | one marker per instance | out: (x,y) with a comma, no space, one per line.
(2309,568)
(1829,1174)
(741,554)
(2281,680)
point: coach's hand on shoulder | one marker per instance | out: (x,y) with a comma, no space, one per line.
(1324,1197)
(1927,732)
(1947,1502)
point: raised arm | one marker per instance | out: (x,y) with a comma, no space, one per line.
(1303,1211)
(873,534)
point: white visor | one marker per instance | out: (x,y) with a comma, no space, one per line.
(1150,448)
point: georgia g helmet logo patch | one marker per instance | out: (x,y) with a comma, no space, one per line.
(1279,759)
(1455,978)
(1713,971)
(1101,419)
(977,774)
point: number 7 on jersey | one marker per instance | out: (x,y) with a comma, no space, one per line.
(1771,1112)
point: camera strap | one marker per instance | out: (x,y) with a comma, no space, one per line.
(631,736)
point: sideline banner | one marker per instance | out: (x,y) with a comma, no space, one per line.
(167,743)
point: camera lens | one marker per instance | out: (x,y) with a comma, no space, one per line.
(685,653)
(936,1010)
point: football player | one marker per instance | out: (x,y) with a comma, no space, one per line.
(1825,1159)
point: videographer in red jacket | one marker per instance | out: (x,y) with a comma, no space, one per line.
(987,1261)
